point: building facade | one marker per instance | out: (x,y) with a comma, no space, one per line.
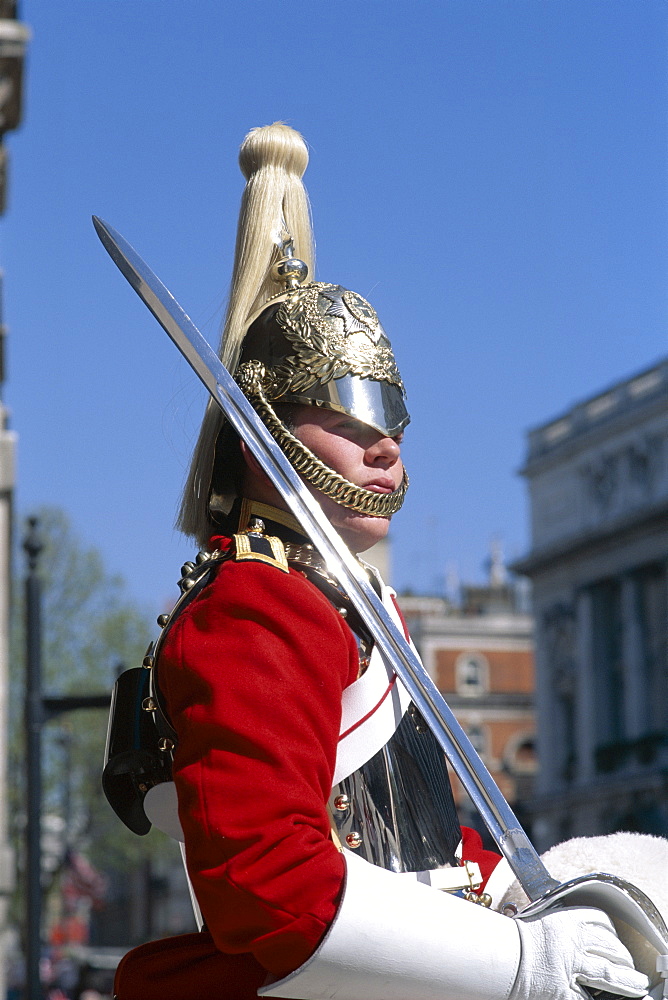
(14,38)
(598,484)
(480,654)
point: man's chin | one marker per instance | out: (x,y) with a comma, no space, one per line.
(361,531)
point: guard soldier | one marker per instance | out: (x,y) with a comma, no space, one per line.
(320,831)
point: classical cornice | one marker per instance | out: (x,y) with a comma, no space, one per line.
(592,540)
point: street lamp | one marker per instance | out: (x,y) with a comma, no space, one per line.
(33,725)
(38,710)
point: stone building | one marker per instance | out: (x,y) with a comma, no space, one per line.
(598,484)
(14,38)
(480,654)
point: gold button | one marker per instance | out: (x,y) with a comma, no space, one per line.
(354,839)
(342,802)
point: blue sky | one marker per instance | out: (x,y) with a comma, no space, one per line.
(490,173)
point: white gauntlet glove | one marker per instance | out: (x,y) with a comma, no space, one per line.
(394,939)
(571,948)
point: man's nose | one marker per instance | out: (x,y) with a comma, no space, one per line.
(384,452)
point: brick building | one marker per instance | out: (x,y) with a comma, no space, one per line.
(480,654)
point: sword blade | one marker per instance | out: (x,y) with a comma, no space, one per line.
(476,779)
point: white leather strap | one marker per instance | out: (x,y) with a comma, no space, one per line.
(498,883)
(395,939)
(371,708)
(450,878)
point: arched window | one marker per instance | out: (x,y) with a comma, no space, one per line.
(471,674)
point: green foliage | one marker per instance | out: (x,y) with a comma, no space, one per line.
(91,630)
(90,625)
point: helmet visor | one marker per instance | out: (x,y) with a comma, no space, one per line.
(379,404)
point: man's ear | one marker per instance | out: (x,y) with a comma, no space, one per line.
(250,459)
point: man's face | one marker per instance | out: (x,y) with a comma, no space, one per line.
(360,454)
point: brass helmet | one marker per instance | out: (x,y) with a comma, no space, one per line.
(304,342)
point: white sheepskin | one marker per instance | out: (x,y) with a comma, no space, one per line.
(636,857)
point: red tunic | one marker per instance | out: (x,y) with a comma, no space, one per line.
(252,674)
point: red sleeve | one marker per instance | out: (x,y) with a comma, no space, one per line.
(472,850)
(252,673)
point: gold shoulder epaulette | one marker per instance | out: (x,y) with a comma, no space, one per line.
(255,546)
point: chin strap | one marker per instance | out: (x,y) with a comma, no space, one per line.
(308,465)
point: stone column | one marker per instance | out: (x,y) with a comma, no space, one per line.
(555,696)
(585,708)
(635,681)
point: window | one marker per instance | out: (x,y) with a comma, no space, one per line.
(520,754)
(478,738)
(471,674)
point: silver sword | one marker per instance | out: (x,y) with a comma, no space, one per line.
(485,794)
(605,891)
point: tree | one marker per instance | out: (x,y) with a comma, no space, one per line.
(91,629)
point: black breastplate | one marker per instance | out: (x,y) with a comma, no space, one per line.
(397,811)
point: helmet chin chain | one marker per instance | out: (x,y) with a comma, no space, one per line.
(313,470)
(306,340)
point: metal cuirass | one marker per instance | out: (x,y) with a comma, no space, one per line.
(397,810)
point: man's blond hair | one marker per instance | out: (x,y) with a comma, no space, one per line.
(273,160)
